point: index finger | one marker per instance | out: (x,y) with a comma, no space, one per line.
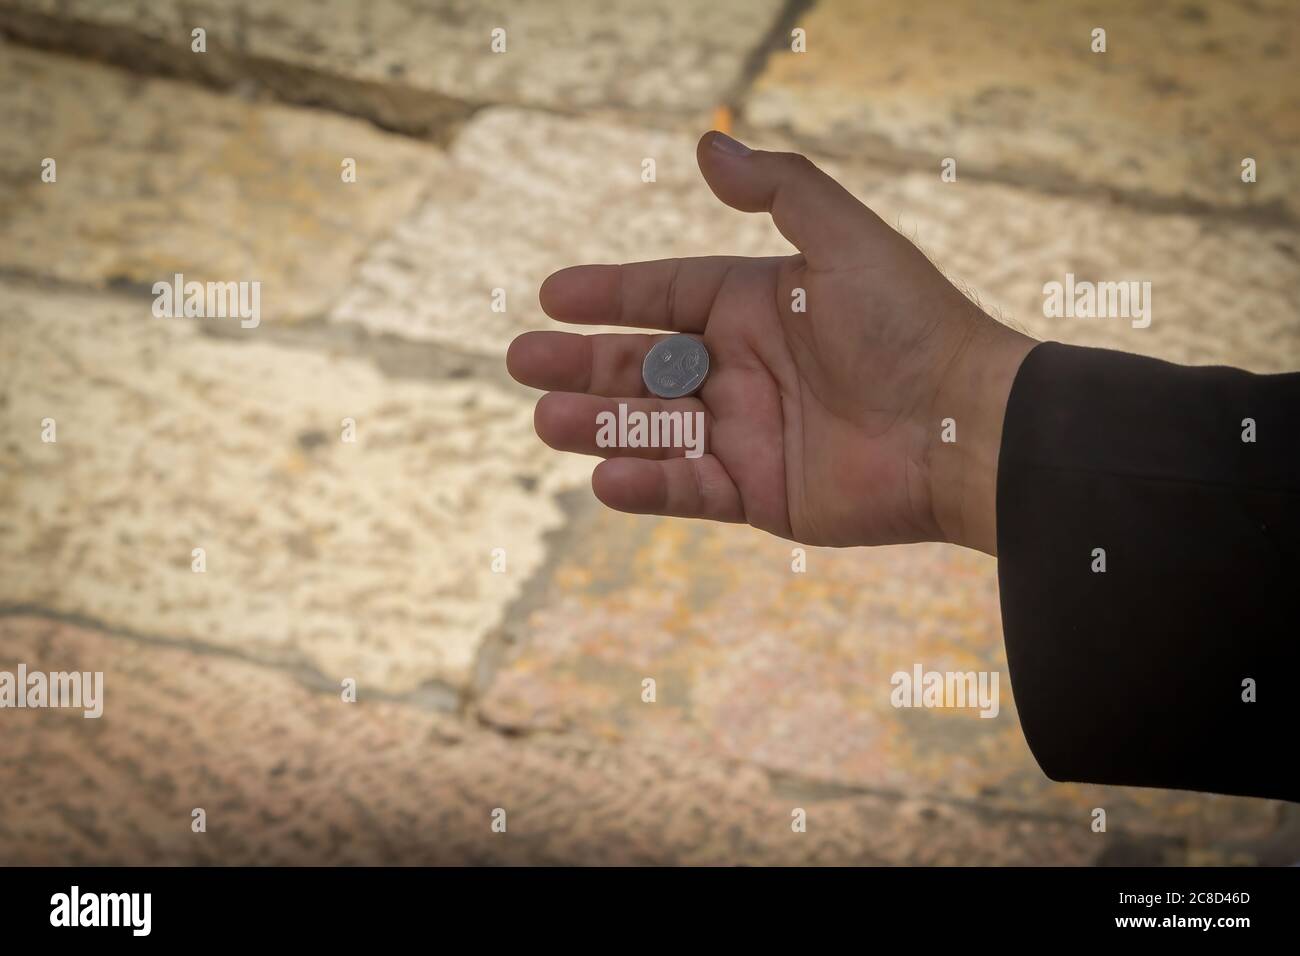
(672,294)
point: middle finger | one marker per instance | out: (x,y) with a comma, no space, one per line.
(607,364)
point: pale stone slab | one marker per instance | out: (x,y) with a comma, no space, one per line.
(156,177)
(370,560)
(293,776)
(529,193)
(392,59)
(1184,92)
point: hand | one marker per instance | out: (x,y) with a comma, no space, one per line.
(822,426)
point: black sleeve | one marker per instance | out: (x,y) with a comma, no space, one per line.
(1141,674)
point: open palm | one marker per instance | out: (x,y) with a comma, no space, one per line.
(829,373)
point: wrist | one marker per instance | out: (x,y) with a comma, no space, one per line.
(973,394)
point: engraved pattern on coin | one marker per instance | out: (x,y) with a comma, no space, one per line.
(675,367)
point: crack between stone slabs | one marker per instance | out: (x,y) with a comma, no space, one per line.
(423,114)
(510,636)
(46,283)
(797,787)
(793,786)
(790,786)
(437,118)
(776,39)
(394,356)
(433,695)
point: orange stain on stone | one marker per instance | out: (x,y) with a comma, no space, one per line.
(722,119)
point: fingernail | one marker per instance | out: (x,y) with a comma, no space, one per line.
(723,142)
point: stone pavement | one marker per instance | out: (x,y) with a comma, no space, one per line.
(497,622)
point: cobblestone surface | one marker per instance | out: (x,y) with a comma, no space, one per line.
(327,559)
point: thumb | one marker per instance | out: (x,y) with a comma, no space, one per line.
(819,216)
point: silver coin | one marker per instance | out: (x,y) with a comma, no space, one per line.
(675,367)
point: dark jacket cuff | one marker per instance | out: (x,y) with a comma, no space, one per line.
(1136,674)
